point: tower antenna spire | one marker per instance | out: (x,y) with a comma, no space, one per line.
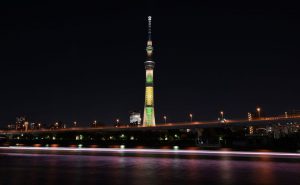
(149,27)
(149,47)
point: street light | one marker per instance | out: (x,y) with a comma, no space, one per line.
(118,121)
(222,115)
(75,123)
(95,123)
(286,115)
(258,112)
(191,117)
(165,118)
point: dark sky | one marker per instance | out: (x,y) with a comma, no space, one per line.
(85,61)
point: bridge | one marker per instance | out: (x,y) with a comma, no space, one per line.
(261,122)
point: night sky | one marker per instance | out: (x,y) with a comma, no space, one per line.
(85,61)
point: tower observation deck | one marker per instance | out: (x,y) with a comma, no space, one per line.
(149,118)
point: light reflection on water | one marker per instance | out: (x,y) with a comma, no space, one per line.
(84,169)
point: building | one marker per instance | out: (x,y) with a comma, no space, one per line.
(149,118)
(20,122)
(135,118)
(11,126)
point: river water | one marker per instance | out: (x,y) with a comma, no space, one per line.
(68,169)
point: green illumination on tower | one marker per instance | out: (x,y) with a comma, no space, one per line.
(149,78)
(149,118)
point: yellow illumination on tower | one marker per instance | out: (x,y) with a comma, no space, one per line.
(149,96)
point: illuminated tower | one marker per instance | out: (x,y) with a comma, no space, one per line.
(149,118)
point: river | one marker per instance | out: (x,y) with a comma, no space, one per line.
(52,168)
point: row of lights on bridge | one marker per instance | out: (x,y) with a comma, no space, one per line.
(222,115)
(258,110)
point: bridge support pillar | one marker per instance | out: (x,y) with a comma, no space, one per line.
(199,136)
(199,132)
